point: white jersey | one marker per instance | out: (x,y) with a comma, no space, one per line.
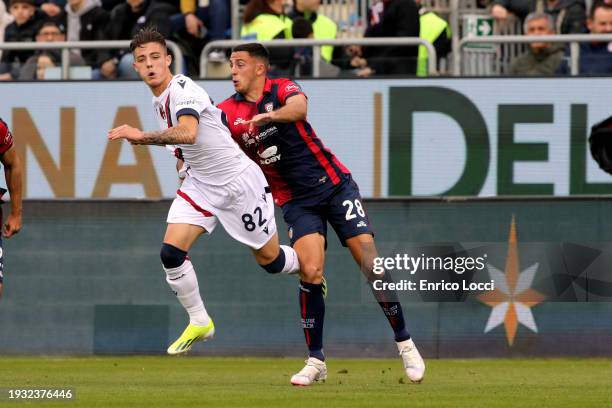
(214,158)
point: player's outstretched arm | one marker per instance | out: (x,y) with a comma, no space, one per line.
(14,180)
(183,133)
(295,109)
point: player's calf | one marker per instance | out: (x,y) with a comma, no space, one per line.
(183,281)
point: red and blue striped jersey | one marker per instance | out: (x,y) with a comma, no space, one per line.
(294,160)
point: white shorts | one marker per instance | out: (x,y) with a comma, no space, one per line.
(244,207)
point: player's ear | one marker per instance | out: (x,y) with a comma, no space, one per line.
(168,60)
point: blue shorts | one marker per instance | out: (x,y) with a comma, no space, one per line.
(343,209)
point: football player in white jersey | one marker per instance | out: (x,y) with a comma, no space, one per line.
(220,183)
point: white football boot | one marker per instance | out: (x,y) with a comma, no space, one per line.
(413,362)
(314,370)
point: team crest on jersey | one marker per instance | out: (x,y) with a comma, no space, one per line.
(269,107)
(162,113)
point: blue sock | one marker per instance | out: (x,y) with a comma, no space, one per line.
(312,311)
(392,309)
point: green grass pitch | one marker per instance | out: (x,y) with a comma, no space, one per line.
(150,382)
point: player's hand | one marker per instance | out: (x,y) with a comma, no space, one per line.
(126,132)
(11,226)
(259,120)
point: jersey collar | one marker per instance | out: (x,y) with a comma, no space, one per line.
(267,89)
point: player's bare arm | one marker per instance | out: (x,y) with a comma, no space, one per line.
(183,133)
(295,109)
(14,180)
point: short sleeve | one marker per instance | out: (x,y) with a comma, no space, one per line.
(188,100)
(288,89)
(6,138)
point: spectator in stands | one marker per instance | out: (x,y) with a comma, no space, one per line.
(569,15)
(211,22)
(5,19)
(23,28)
(389,18)
(50,31)
(52,9)
(87,21)
(264,20)
(127,19)
(44,60)
(302,57)
(595,57)
(323,27)
(541,58)
(197,23)
(436,30)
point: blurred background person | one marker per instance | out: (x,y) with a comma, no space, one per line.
(127,19)
(541,58)
(86,20)
(49,31)
(436,30)
(43,61)
(595,57)
(22,29)
(265,20)
(323,28)
(389,18)
(568,15)
(5,19)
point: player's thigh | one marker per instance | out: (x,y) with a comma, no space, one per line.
(310,250)
(188,218)
(182,236)
(303,220)
(347,214)
(249,217)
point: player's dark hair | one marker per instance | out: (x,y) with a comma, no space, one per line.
(301,28)
(147,35)
(254,50)
(605,4)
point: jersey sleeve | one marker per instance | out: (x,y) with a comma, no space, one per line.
(6,138)
(288,89)
(190,101)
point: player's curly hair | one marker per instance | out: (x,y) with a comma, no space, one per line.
(147,35)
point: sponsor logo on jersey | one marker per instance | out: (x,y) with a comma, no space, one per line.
(322,179)
(182,83)
(269,107)
(362,224)
(292,88)
(186,102)
(269,155)
(250,139)
(239,121)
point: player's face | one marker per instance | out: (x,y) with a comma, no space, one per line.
(152,63)
(245,70)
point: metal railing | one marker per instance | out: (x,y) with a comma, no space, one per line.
(316,52)
(65,46)
(572,39)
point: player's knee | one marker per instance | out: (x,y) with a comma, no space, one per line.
(311,272)
(171,256)
(277,265)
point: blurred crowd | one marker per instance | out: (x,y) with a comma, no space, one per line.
(193,23)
